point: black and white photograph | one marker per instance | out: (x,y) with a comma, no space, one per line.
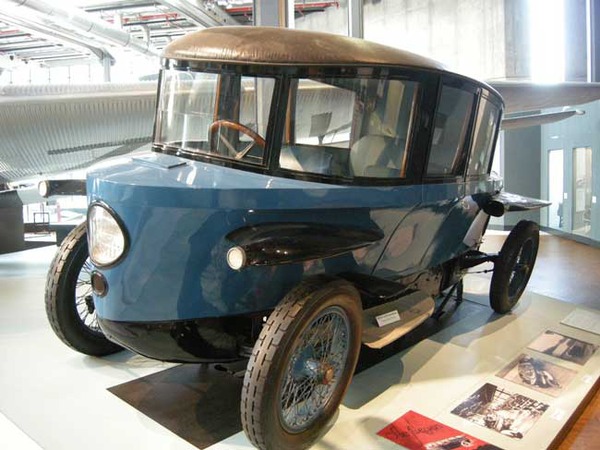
(537,374)
(498,409)
(564,347)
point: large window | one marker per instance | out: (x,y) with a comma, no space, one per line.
(222,115)
(556,211)
(485,130)
(582,191)
(349,127)
(448,153)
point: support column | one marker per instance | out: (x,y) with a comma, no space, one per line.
(594,39)
(273,13)
(522,147)
(517,43)
(576,36)
(355,19)
(106,63)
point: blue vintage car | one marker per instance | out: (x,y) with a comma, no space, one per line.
(306,194)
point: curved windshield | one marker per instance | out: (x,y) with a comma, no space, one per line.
(224,115)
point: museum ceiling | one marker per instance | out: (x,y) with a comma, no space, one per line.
(62,33)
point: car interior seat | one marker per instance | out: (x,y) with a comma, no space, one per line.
(305,158)
(369,156)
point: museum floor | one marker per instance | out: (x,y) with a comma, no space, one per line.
(54,398)
(568,271)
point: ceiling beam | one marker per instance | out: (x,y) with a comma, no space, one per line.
(74,22)
(199,14)
(53,35)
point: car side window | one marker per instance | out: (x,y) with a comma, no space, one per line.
(382,127)
(448,153)
(485,130)
(349,127)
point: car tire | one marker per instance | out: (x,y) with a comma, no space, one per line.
(513,267)
(289,351)
(68,298)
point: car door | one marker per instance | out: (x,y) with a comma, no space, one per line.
(432,232)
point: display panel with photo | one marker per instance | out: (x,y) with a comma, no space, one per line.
(564,347)
(498,409)
(417,432)
(535,373)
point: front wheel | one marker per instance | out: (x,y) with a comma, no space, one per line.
(302,365)
(69,304)
(513,267)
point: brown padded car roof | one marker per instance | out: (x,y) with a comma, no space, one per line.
(281,46)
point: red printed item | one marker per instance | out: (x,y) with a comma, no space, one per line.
(417,432)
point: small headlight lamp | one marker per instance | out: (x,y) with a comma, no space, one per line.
(236,258)
(44,188)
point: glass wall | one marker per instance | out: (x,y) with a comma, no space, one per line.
(582,191)
(570,174)
(555,188)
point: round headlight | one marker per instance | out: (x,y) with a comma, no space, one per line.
(106,238)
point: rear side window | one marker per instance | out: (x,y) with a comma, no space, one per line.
(349,127)
(485,130)
(448,153)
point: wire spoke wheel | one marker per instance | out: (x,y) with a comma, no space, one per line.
(84,303)
(315,369)
(302,364)
(521,269)
(513,267)
(69,303)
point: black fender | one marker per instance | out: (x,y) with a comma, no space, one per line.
(499,203)
(278,243)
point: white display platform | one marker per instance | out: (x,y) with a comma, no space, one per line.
(59,398)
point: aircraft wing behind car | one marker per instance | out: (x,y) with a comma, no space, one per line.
(530,120)
(524,96)
(58,128)
(521,96)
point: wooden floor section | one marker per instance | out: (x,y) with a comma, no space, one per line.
(568,271)
(585,434)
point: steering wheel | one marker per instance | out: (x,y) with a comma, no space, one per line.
(256,138)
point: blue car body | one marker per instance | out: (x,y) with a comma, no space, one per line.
(178,214)
(300,182)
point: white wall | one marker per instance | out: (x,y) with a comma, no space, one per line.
(466,35)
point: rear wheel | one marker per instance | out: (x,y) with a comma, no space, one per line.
(513,267)
(302,365)
(69,304)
